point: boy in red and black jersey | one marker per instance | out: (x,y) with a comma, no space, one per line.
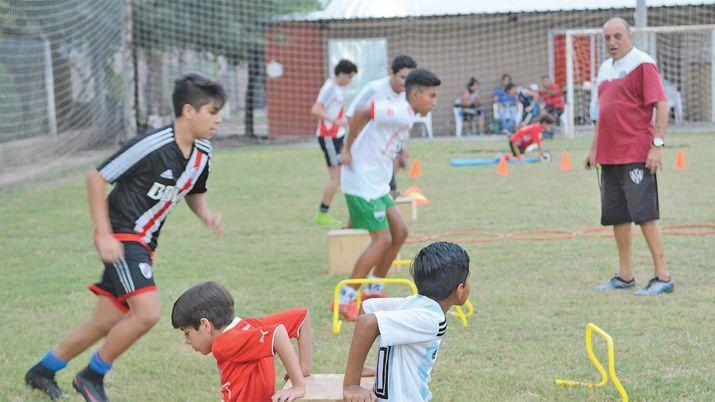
(151,173)
(244,348)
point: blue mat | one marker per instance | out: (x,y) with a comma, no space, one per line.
(484,162)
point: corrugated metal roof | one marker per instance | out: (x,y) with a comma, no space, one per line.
(363,9)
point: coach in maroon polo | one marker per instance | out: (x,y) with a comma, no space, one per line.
(630,150)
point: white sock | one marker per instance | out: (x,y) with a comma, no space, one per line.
(347,294)
(374,288)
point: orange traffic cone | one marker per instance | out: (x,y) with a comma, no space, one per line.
(415,169)
(680,160)
(412,189)
(502,167)
(565,162)
(419,199)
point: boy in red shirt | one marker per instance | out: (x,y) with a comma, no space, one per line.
(528,135)
(244,348)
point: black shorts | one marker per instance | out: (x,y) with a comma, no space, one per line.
(629,193)
(555,112)
(127,277)
(331,149)
(516,150)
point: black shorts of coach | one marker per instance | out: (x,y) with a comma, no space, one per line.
(331,149)
(629,193)
(130,276)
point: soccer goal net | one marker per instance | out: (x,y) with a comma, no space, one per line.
(685,55)
(78,78)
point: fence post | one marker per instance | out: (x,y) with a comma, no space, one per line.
(50,89)
(128,76)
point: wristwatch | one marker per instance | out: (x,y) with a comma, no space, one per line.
(658,142)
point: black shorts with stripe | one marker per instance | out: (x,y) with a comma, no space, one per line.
(331,149)
(127,277)
(629,193)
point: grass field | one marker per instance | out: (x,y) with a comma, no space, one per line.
(533,299)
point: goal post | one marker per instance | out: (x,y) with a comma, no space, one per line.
(685,54)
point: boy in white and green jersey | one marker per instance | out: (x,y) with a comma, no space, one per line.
(374,139)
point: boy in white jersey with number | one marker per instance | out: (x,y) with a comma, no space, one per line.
(375,137)
(410,329)
(331,131)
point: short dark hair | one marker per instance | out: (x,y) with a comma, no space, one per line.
(196,89)
(420,79)
(440,268)
(471,82)
(547,118)
(346,67)
(206,300)
(509,86)
(505,75)
(402,61)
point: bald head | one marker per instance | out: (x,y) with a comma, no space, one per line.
(617,22)
(618,37)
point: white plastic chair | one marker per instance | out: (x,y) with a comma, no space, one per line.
(426,120)
(458,121)
(675,101)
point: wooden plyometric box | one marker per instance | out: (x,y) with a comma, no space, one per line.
(407,207)
(327,387)
(344,248)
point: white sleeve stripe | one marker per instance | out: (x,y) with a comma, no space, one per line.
(204,142)
(203,148)
(112,171)
(128,158)
(273,339)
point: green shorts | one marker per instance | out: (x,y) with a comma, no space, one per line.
(370,215)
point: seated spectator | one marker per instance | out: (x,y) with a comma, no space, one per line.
(471,107)
(529,100)
(550,92)
(505,105)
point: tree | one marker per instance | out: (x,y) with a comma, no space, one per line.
(92,26)
(235,29)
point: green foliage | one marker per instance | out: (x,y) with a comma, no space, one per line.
(223,27)
(19,19)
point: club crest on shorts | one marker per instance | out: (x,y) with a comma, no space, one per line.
(379,214)
(145,270)
(636,175)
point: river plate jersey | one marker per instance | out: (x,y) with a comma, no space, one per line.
(150,176)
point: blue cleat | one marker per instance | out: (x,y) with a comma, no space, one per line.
(615,283)
(655,287)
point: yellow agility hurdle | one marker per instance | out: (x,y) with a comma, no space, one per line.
(337,322)
(611,364)
(458,312)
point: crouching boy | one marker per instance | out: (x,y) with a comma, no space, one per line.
(244,348)
(410,329)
